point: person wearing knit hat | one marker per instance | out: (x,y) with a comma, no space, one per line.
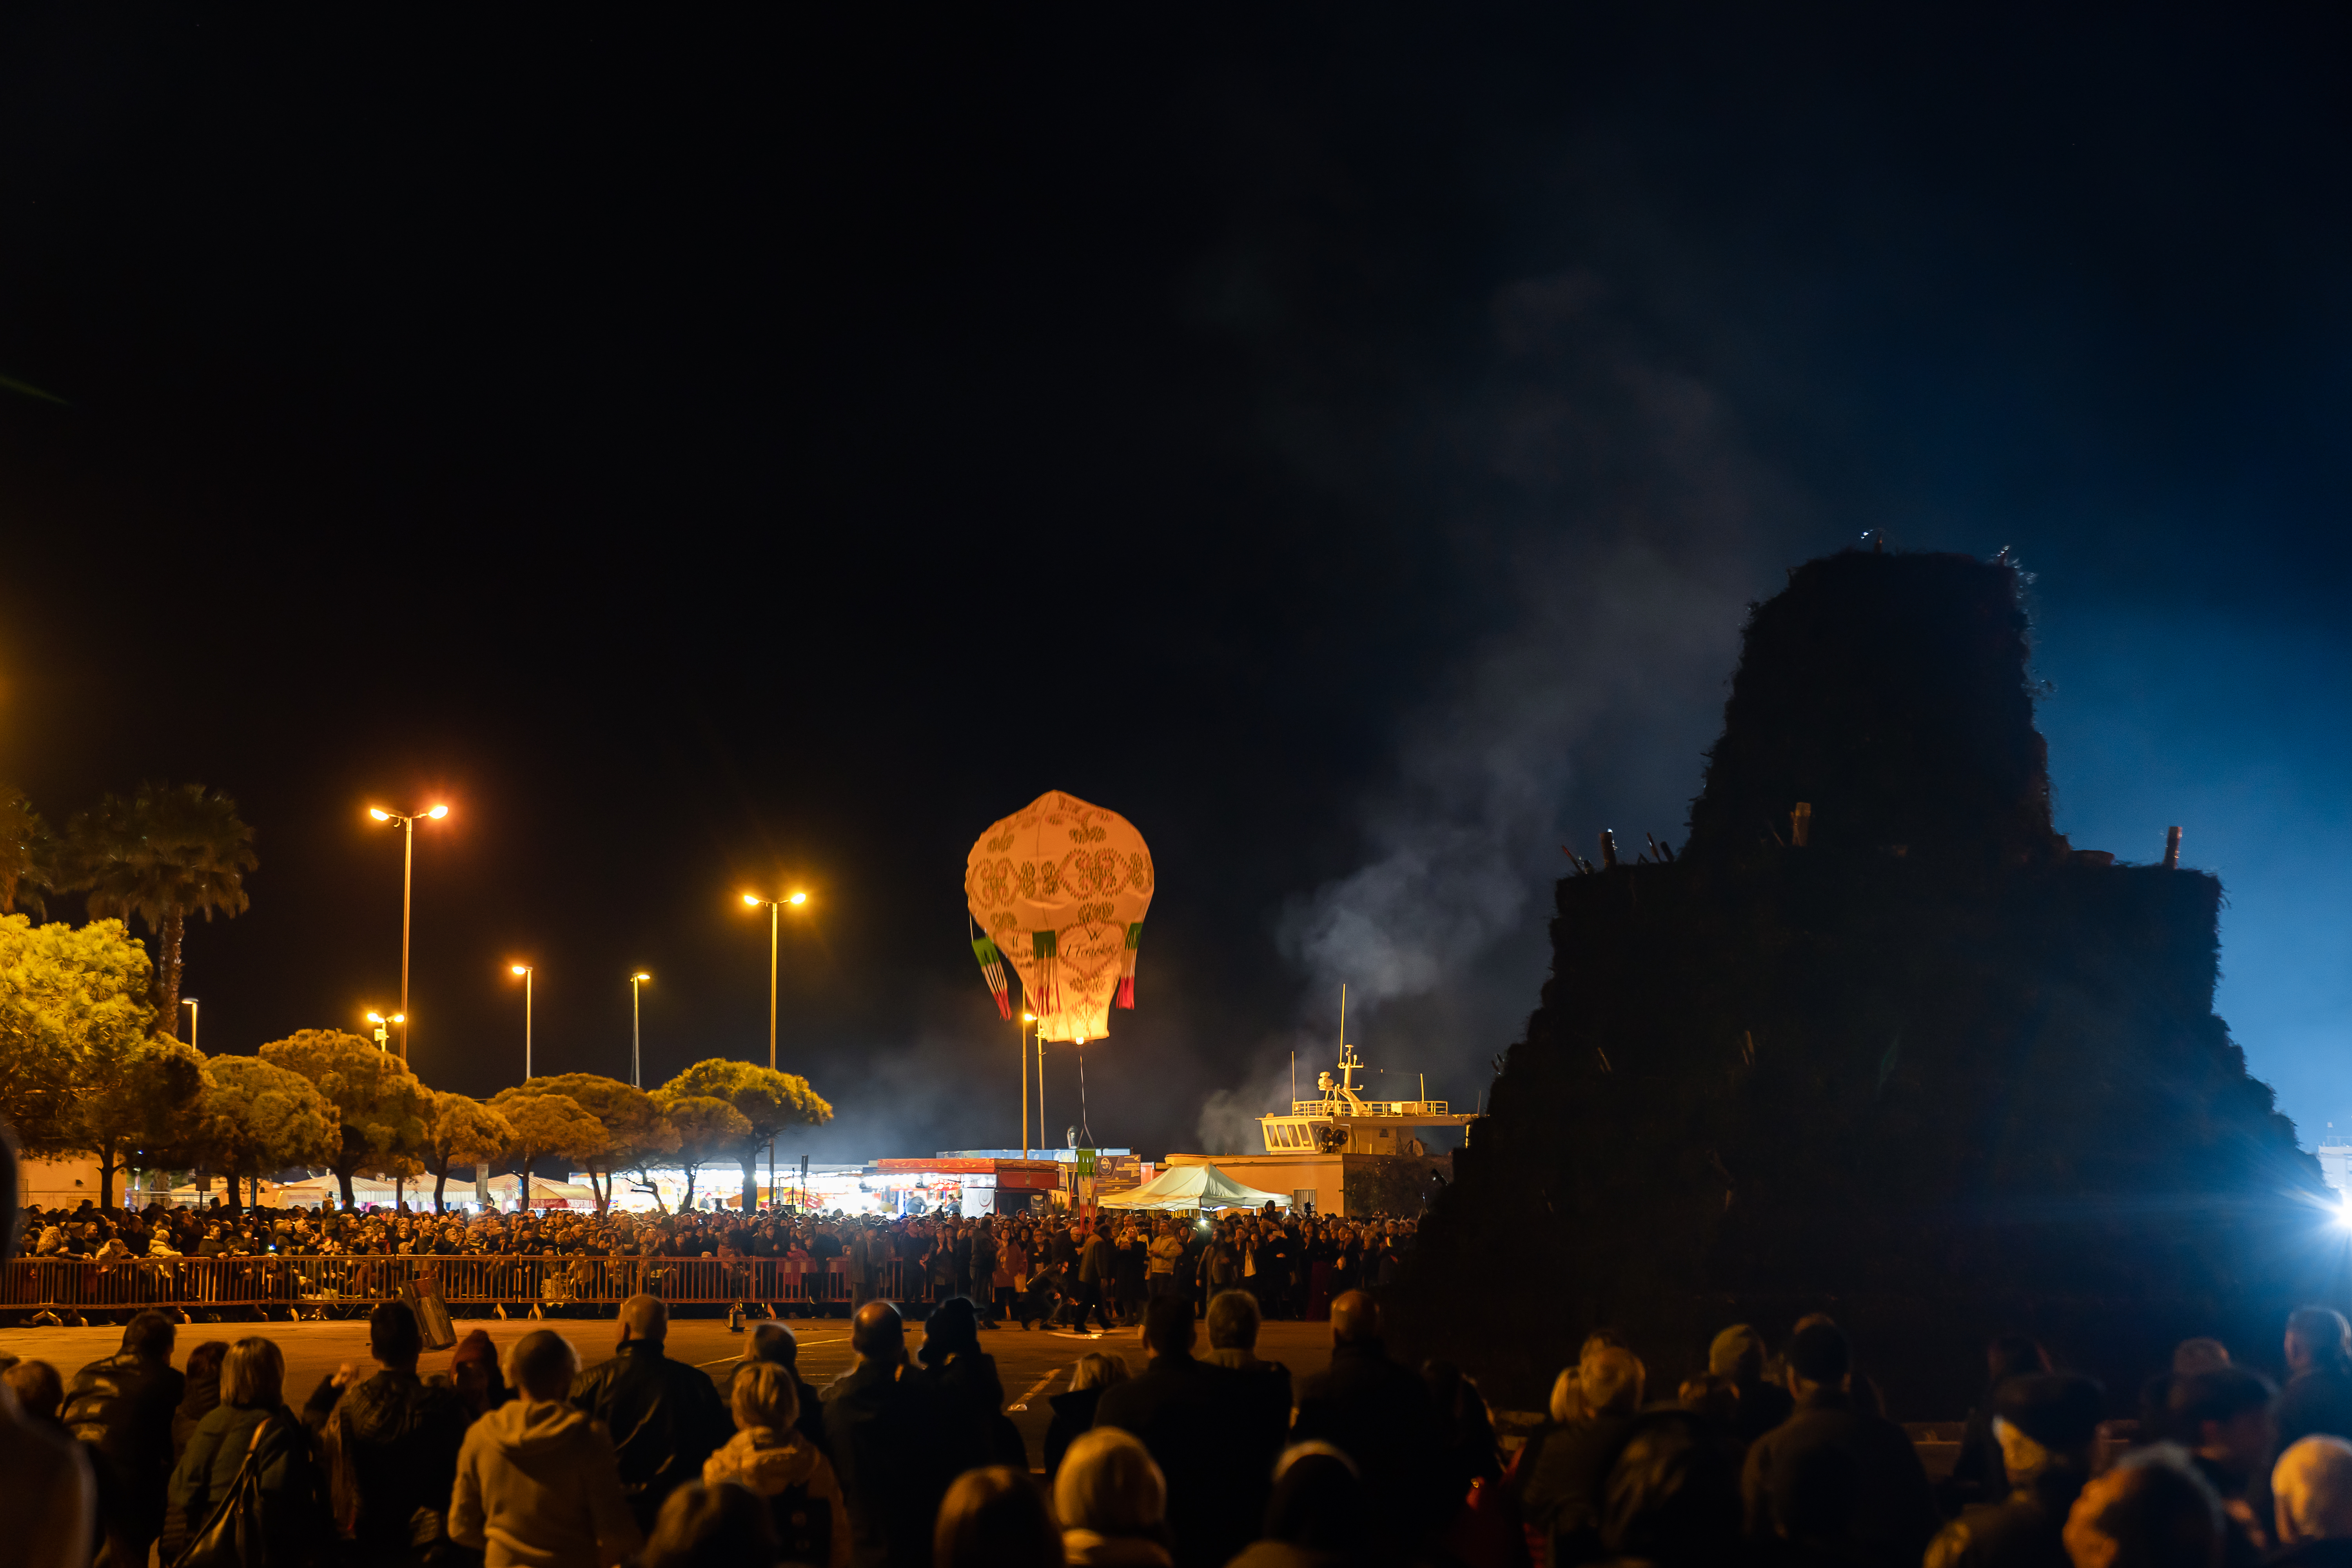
(473,1372)
(2047,1425)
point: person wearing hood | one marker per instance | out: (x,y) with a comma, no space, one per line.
(538,1485)
(770,1456)
(392,1442)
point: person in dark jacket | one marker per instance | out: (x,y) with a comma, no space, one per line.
(663,1414)
(1736,1356)
(1197,1422)
(2317,1398)
(2046,1425)
(2224,1418)
(203,1393)
(1566,1494)
(121,1409)
(393,1441)
(1977,1475)
(1073,1412)
(1885,1509)
(1380,1416)
(966,1375)
(252,1418)
(774,1343)
(897,1444)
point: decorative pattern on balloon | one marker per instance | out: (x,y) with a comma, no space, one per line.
(1060,890)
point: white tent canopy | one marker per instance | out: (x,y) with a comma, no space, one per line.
(1190,1187)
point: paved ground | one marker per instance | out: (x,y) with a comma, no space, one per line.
(1032,1364)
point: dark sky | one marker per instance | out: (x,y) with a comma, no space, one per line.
(1343,442)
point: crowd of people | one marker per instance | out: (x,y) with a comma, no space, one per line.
(1019,1269)
(1199,1454)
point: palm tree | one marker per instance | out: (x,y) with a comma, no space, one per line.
(28,855)
(169,851)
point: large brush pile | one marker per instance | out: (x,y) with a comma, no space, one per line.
(1907,1057)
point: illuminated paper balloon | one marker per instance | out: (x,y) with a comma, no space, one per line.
(1059,889)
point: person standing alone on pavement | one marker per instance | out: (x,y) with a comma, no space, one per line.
(665,1415)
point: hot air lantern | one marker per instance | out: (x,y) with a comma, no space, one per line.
(1059,889)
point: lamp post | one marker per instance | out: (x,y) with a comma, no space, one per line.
(775,914)
(190,1004)
(407,869)
(636,1033)
(1027,1019)
(382,1034)
(525,971)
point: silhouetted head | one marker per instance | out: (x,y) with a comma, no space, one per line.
(878,1332)
(645,1318)
(2312,1486)
(1108,1484)
(772,1342)
(2192,1356)
(1736,1353)
(722,1526)
(1818,1357)
(2046,1417)
(543,1365)
(149,1336)
(995,1518)
(1233,1321)
(1355,1318)
(2317,1336)
(393,1337)
(952,1329)
(2152,1510)
(1317,1503)
(1168,1326)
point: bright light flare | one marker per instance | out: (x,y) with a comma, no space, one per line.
(375,1017)
(797,898)
(752,900)
(437,813)
(399,1017)
(518,968)
(379,814)
(641,975)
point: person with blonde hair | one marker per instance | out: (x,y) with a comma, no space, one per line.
(771,1458)
(995,1518)
(1113,1503)
(250,1419)
(538,1483)
(2311,1492)
(1565,1491)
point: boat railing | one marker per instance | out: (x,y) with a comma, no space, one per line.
(1371,1107)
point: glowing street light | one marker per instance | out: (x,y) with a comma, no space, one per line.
(408,867)
(190,1004)
(525,971)
(382,1034)
(775,908)
(636,1035)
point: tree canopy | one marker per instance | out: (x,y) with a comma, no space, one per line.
(73,1004)
(768,1101)
(255,1117)
(635,1131)
(707,1130)
(461,1131)
(380,1106)
(166,853)
(547,1125)
(27,854)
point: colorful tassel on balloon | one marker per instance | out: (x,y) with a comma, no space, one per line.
(991,968)
(1043,949)
(1126,965)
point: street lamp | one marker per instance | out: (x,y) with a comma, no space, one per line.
(636,1033)
(382,1034)
(775,911)
(775,908)
(408,867)
(1027,1019)
(525,971)
(190,1004)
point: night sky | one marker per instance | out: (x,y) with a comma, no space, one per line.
(1345,443)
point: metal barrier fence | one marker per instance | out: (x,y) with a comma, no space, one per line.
(86,1284)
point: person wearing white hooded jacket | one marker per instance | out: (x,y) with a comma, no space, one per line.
(538,1485)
